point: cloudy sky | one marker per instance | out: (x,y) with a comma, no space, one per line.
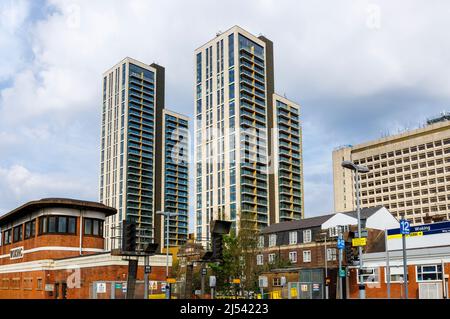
(359,69)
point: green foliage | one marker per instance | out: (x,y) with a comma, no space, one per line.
(239,260)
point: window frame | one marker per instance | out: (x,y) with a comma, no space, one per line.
(332,254)
(20,233)
(272,240)
(259,259)
(307,252)
(7,237)
(32,225)
(375,273)
(309,237)
(293,238)
(91,230)
(261,241)
(271,258)
(43,227)
(437,272)
(395,274)
(293,253)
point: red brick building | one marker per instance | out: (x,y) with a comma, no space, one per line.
(428,265)
(54,248)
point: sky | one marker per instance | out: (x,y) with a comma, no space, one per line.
(359,69)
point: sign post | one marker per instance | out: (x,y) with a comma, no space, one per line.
(340,246)
(405,230)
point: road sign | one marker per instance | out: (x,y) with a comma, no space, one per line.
(342,273)
(359,242)
(204,271)
(404,227)
(340,243)
(364,233)
(327,281)
(148,269)
(118,285)
(236,281)
(101,287)
(171,280)
(212,281)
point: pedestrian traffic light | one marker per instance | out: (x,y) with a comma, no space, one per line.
(217,246)
(129,236)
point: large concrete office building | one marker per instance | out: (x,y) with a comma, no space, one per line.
(135,175)
(242,168)
(409,173)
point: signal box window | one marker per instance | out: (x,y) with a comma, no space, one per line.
(93,227)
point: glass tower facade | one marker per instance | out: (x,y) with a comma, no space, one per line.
(132,160)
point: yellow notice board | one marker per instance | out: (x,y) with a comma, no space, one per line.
(359,242)
(294,292)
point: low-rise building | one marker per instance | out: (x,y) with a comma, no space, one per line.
(305,252)
(54,248)
(428,261)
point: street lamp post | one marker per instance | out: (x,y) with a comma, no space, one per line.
(167,215)
(358,169)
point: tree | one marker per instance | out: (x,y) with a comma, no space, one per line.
(239,258)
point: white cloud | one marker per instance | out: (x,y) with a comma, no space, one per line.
(13,15)
(19,184)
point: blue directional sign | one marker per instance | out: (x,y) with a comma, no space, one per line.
(340,243)
(404,227)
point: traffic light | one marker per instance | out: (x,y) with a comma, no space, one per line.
(217,246)
(129,236)
(349,254)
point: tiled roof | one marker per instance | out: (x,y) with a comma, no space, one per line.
(315,221)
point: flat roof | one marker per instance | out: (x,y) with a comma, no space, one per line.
(55,202)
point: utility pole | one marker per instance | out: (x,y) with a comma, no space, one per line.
(404,230)
(146,265)
(362,286)
(167,216)
(340,263)
(358,169)
(326,268)
(405,267)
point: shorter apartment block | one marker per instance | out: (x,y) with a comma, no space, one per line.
(55,249)
(305,252)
